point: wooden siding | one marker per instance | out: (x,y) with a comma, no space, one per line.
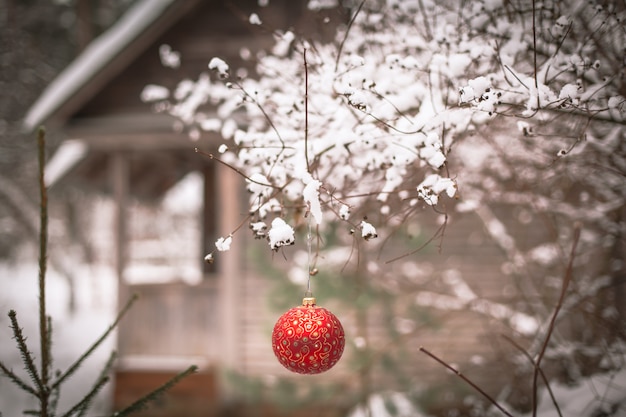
(469,340)
(168,320)
(225,322)
(194,396)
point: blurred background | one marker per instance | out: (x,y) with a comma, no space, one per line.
(134,210)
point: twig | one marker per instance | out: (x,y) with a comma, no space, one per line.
(429,33)
(566,280)
(345,37)
(535,54)
(466,379)
(237,170)
(438,233)
(543,375)
(306,112)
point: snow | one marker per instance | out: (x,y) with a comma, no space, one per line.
(99,53)
(589,397)
(153,92)
(280,234)
(211,124)
(312,197)
(282,46)
(169,58)
(344,212)
(256,186)
(386,405)
(219,65)
(65,158)
(254,19)
(617,102)
(259,228)
(321,4)
(433,185)
(368,231)
(96,295)
(223,244)
(569,91)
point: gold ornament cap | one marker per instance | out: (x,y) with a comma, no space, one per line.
(308,302)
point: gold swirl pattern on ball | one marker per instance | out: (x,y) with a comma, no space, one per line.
(308,340)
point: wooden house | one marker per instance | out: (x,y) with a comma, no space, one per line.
(109,140)
(213,315)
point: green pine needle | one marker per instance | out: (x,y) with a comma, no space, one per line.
(27,357)
(16,380)
(143,402)
(83,405)
(70,371)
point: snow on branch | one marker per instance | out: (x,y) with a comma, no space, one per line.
(376,121)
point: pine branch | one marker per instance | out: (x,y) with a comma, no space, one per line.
(97,343)
(43,248)
(44,332)
(83,405)
(108,365)
(17,380)
(102,377)
(49,345)
(53,400)
(143,402)
(27,358)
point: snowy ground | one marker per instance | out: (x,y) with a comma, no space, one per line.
(602,395)
(73,332)
(96,292)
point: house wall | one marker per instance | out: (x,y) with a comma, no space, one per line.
(225,321)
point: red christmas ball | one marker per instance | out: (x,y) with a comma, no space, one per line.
(308,339)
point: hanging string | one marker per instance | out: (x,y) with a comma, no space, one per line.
(309,237)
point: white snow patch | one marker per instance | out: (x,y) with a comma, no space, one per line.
(65,158)
(220,65)
(344,212)
(312,197)
(169,58)
(223,244)
(433,185)
(254,19)
(368,231)
(153,92)
(280,234)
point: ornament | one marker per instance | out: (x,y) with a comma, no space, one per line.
(308,339)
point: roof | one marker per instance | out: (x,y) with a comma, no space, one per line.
(104,58)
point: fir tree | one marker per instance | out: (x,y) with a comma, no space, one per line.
(42,383)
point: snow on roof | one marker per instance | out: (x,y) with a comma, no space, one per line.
(99,52)
(70,152)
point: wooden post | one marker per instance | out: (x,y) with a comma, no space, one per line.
(118,171)
(229,269)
